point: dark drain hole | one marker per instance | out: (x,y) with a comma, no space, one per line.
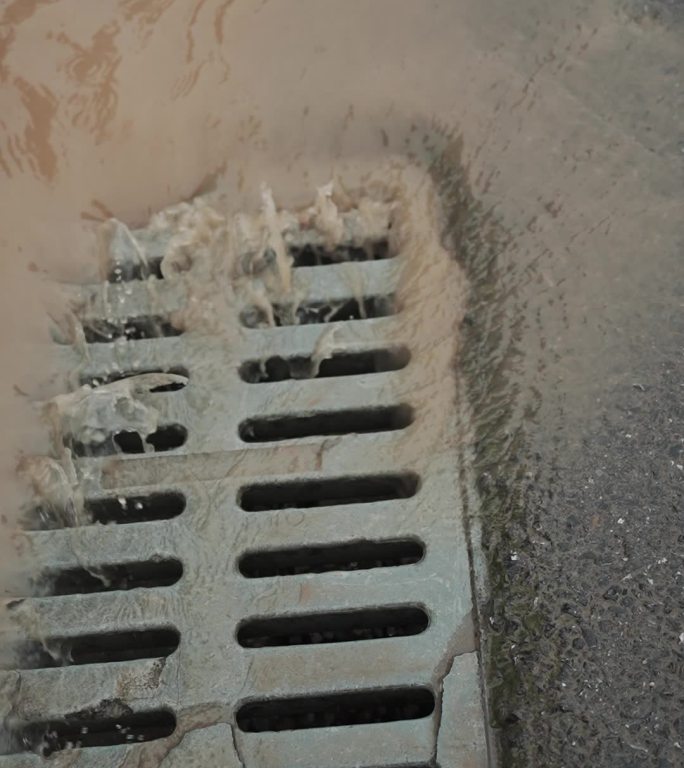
(166,438)
(117,509)
(104,331)
(108,378)
(352,421)
(336,627)
(110,578)
(125,271)
(356,556)
(340,364)
(101,648)
(318,256)
(88,730)
(376,706)
(136,509)
(328,492)
(313,312)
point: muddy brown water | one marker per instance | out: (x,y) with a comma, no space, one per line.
(554,134)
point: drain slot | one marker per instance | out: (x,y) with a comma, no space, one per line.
(89,730)
(119,509)
(108,378)
(335,627)
(124,272)
(314,312)
(340,364)
(356,556)
(376,706)
(318,256)
(331,491)
(110,578)
(136,509)
(166,438)
(102,648)
(105,332)
(352,421)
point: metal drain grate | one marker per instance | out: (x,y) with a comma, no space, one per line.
(278,576)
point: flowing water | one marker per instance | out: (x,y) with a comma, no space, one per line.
(553,134)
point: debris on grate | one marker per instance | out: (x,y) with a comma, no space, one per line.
(250,536)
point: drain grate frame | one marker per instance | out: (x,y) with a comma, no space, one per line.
(213,470)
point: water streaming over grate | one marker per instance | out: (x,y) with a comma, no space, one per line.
(272,555)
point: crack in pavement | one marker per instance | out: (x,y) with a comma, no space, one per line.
(238,752)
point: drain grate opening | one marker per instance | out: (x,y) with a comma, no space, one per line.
(118,509)
(328,492)
(355,556)
(125,271)
(333,627)
(108,378)
(340,364)
(110,578)
(105,331)
(102,648)
(314,312)
(166,438)
(136,509)
(327,711)
(319,256)
(87,729)
(352,421)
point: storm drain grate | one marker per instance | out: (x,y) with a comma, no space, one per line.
(264,563)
